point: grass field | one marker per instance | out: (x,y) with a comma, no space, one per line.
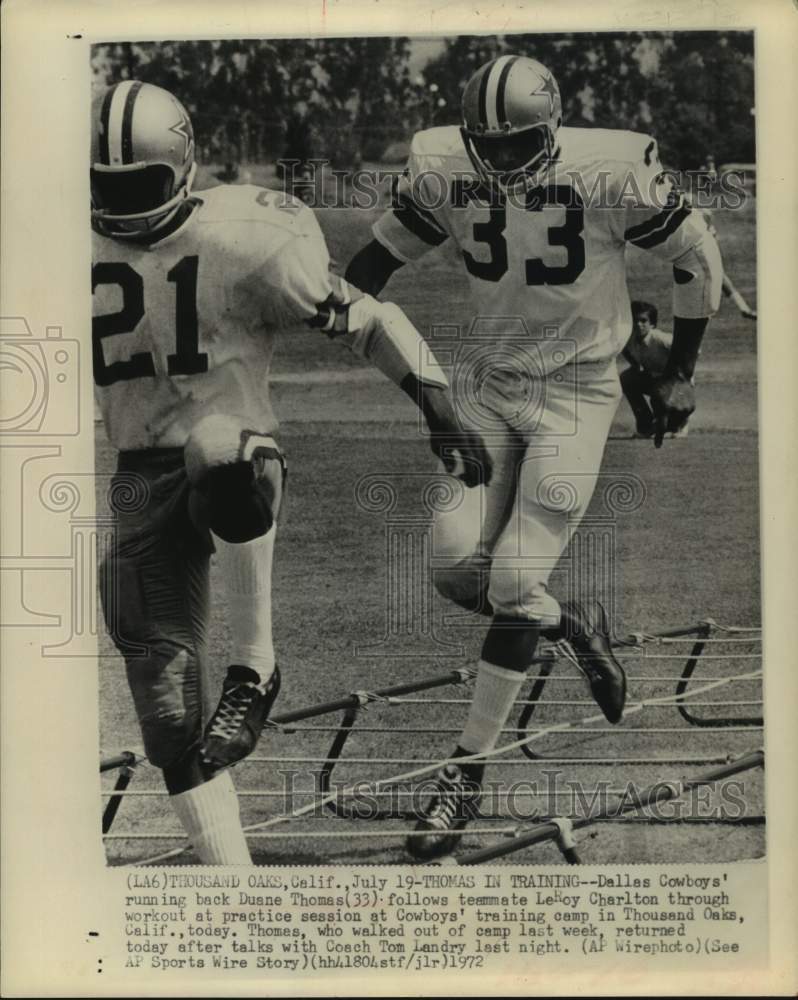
(690,552)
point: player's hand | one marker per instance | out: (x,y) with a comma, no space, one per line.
(464,455)
(672,400)
(462,451)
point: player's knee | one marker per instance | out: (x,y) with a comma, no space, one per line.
(466,583)
(237,477)
(240,507)
(523,595)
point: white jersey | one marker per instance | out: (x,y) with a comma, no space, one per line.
(551,263)
(185,327)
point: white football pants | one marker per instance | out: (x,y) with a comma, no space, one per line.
(546,438)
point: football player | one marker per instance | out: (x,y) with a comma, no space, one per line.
(540,216)
(188,291)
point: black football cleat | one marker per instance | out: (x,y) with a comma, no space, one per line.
(235,727)
(454,801)
(585,629)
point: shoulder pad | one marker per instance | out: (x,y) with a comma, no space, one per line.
(606,145)
(251,203)
(434,146)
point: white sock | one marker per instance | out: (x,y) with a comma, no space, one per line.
(246,571)
(211,818)
(495,692)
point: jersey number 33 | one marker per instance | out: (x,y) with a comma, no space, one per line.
(568,235)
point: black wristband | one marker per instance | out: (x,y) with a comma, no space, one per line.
(687,337)
(370,268)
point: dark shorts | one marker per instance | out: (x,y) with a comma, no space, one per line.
(155,580)
(155,592)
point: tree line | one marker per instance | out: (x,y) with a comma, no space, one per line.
(349,100)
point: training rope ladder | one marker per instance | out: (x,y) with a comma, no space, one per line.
(727,717)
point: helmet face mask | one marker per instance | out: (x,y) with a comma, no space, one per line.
(514,160)
(141,200)
(511,115)
(142,159)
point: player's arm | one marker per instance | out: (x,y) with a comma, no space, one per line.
(371,268)
(303,288)
(661,222)
(404,233)
(381,333)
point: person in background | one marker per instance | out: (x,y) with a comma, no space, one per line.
(647,352)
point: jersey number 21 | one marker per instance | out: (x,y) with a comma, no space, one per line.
(186,359)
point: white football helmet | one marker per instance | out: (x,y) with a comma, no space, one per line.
(142,158)
(511,115)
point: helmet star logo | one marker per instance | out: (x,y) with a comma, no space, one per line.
(183,129)
(548,87)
